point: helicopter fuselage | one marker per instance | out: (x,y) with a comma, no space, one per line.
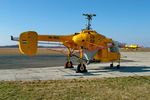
(88,40)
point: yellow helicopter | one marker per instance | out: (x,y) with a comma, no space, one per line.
(90,45)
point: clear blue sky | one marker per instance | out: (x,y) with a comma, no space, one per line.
(122,20)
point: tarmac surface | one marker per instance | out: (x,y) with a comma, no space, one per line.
(47,67)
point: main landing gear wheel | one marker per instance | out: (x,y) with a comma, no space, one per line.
(111,65)
(118,66)
(81,68)
(69,65)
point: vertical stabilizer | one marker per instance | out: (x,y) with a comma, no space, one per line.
(28,43)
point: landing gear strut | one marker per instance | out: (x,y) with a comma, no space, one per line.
(69,63)
(81,68)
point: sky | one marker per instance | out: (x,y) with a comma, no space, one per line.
(127,21)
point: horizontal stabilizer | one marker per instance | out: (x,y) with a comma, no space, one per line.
(14,38)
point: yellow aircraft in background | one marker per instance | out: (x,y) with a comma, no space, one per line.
(132,47)
(90,45)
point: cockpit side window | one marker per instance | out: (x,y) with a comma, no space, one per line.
(111,47)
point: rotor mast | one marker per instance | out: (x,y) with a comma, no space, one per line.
(89,17)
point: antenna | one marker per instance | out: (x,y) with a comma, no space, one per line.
(89,17)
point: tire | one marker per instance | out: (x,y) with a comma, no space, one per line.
(111,65)
(69,65)
(81,68)
(118,66)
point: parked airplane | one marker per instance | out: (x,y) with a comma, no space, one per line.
(132,47)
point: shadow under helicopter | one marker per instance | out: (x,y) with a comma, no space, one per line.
(43,61)
(124,69)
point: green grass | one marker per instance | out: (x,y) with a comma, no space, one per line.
(124,88)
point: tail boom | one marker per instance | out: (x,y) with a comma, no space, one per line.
(28,41)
